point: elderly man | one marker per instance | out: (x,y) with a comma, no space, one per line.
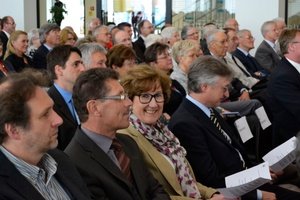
(64,66)
(232,23)
(246,43)
(110,163)
(102,35)
(31,167)
(211,146)
(8,26)
(284,89)
(93,55)
(49,38)
(122,37)
(266,54)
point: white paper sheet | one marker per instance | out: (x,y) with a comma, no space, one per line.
(263,118)
(242,126)
(282,156)
(245,181)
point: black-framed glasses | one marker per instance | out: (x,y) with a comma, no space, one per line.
(146,97)
(115,97)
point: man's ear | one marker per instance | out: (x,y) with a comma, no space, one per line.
(58,70)
(93,108)
(12,131)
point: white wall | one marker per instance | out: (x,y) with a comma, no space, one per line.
(252,14)
(23,14)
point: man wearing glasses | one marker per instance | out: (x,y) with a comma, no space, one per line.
(8,26)
(110,163)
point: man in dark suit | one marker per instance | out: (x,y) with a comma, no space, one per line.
(246,43)
(284,89)
(49,37)
(64,65)
(212,149)
(144,28)
(266,54)
(31,167)
(103,108)
(8,26)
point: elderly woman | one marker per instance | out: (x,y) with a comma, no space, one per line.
(149,88)
(16,48)
(34,42)
(184,53)
(121,58)
(170,35)
(158,56)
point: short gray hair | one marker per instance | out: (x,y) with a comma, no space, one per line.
(168,32)
(45,29)
(206,70)
(184,31)
(98,29)
(265,27)
(211,35)
(87,50)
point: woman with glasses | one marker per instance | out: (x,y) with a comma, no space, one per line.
(149,88)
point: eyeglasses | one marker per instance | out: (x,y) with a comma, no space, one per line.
(115,97)
(146,98)
(165,56)
(11,23)
(192,34)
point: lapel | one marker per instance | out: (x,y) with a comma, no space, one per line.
(61,105)
(206,123)
(16,180)
(275,56)
(97,155)
(156,157)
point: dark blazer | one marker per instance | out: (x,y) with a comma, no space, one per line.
(67,130)
(104,179)
(14,186)
(252,66)
(283,94)
(266,56)
(39,57)
(4,40)
(139,48)
(210,155)
(18,62)
(177,95)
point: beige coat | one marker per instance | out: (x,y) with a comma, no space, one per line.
(162,169)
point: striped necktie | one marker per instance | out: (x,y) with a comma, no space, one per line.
(123,159)
(215,121)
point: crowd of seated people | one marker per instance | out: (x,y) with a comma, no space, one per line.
(143,118)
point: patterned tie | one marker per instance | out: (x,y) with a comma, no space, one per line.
(215,121)
(123,159)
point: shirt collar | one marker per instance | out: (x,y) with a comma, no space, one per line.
(243,51)
(101,141)
(46,168)
(270,43)
(296,65)
(67,96)
(199,105)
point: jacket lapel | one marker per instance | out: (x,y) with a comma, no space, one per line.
(99,156)
(156,157)
(61,105)
(17,181)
